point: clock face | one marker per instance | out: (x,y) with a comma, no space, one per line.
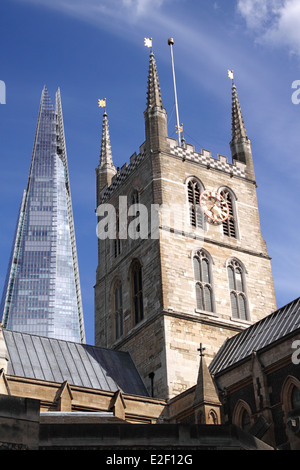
(214,206)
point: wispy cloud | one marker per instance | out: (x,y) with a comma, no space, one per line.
(274,22)
(98,11)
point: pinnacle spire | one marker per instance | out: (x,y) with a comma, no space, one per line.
(155,114)
(105,154)
(240,143)
(238,127)
(205,389)
(153,94)
(106,169)
(206,401)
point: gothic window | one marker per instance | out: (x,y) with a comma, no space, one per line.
(202,274)
(229,225)
(137,292)
(242,415)
(237,287)
(196,215)
(118,309)
(290,398)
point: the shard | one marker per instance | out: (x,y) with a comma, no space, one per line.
(42,289)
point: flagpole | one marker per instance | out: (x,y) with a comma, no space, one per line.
(171,42)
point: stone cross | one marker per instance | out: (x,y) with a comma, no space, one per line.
(201,349)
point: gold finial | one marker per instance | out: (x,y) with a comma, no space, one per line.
(102,103)
(148,42)
(230,74)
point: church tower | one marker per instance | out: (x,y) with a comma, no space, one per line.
(181,257)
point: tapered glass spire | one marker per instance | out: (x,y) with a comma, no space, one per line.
(42,289)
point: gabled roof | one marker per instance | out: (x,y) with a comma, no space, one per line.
(83,365)
(270,329)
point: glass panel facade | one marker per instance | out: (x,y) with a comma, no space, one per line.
(42,294)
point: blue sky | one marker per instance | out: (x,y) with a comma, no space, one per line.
(95,48)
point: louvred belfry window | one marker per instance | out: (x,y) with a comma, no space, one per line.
(204,290)
(238,297)
(196,214)
(229,225)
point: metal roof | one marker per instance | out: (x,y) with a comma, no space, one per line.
(266,331)
(84,365)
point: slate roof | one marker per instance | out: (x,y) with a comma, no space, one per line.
(84,365)
(270,329)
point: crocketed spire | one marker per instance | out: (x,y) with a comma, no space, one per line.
(106,169)
(240,143)
(105,155)
(155,114)
(153,94)
(238,126)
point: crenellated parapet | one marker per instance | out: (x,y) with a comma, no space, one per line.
(186,153)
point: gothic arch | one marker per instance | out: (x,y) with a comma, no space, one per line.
(192,177)
(212,417)
(286,393)
(194,253)
(241,411)
(237,260)
(233,194)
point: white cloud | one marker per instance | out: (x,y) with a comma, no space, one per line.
(274,22)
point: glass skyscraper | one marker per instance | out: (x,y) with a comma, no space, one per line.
(42,289)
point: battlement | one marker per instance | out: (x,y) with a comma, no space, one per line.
(123,173)
(186,152)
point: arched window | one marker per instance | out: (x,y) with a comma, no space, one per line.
(237,287)
(290,394)
(137,292)
(202,274)
(194,190)
(118,309)
(229,225)
(241,415)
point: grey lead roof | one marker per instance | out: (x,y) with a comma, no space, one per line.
(266,331)
(84,365)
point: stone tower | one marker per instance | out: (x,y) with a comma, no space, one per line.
(181,257)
